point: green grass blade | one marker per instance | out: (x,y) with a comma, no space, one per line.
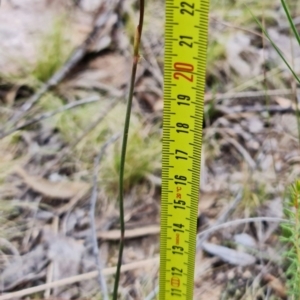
(275,47)
(288,14)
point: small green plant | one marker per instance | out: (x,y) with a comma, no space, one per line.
(142,158)
(291,236)
(254,195)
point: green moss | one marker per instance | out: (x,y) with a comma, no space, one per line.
(53,51)
(142,158)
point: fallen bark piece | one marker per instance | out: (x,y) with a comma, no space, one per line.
(228,255)
(55,190)
(66,190)
(129,234)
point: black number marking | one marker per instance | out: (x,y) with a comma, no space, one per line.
(180,157)
(184,43)
(187,8)
(179,202)
(177,248)
(176,252)
(176,269)
(176,292)
(182,125)
(179,177)
(178,230)
(183,97)
(176,274)
(179,207)
(177,76)
(179,226)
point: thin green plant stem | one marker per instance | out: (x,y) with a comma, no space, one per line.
(94,196)
(137,41)
(296,34)
(292,25)
(274,46)
(267,98)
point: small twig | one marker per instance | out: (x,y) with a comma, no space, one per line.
(242,151)
(50,271)
(94,196)
(249,94)
(136,47)
(79,278)
(5,244)
(253,82)
(223,218)
(50,114)
(114,235)
(237,27)
(255,109)
(155,69)
(238,222)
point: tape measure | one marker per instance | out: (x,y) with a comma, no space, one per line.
(184,80)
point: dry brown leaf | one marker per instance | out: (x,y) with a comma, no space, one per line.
(107,71)
(129,234)
(57,190)
(207,201)
(284,102)
(10,96)
(159,105)
(276,285)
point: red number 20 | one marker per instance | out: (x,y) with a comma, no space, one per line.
(178,66)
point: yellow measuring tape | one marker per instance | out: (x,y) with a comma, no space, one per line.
(184,81)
